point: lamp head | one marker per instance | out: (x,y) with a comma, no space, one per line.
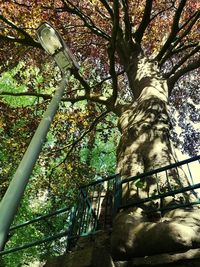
(54,45)
(49,38)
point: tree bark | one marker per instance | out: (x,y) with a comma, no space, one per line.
(145,144)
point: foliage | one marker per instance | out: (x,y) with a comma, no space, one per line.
(57,175)
(186,122)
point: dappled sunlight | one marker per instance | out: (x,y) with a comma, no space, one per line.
(145,146)
(169,213)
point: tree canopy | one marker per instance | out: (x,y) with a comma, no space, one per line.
(166,31)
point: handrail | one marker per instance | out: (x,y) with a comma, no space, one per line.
(34,243)
(132,178)
(39,218)
(170,166)
(173,192)
(99,181)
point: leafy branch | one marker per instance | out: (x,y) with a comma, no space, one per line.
(192,66)
(182,61)
(78,140)
(162,11)
(92,97)
(73,9)
(174,30)
(44,96)
(173,40)
(172,48)
(108,102)
(27,40)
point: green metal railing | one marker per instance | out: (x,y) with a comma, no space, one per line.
(99,202)
(186,171)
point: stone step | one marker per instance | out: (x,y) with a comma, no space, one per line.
(190,258)
(100,257)
(94,251)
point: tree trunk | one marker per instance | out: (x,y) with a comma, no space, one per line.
(145,145)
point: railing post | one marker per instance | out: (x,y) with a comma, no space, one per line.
(88,203)
(117,195)
(72,218)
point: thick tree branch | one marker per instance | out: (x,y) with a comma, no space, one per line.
(112,50)
(127,22)
(192,19)
(179,49)
(27,40)
(23,41)
(73,9)
(190,26)
(145,21)
(190,23)
(13,26)
(182,61)
(82,81)
(92,97)
(172,80)
(183,47)
(108,8)
(44,96)
(174,30)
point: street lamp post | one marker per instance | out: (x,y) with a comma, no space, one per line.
(53,43)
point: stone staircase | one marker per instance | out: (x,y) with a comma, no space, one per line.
(94,251)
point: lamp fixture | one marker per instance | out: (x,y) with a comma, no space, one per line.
(54,45)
